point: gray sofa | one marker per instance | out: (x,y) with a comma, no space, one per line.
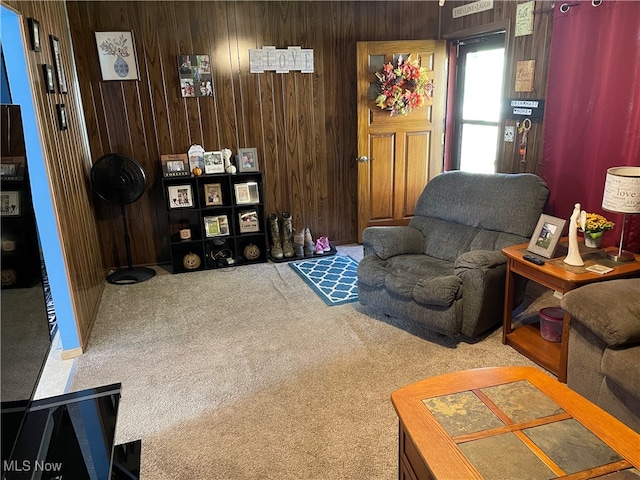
(604,346)
(445,270)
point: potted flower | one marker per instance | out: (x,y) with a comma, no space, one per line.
(595,225)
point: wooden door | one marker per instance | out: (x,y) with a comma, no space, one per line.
(397,155)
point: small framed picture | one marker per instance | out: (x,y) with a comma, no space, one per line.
(213,162)
(247,160)
(10,203)
(175,165)
(57,62)
(12,168)
(180,196)
(62,116)
(216,226)
(247,193)
(546,236)
(117,55)
(49,83)
(248,221)
(212,194)
(34,34)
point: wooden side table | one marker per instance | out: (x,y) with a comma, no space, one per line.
(558,276)
(507,422)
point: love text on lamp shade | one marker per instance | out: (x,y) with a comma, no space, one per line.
(622,190)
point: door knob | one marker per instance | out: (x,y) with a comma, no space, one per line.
(364,159)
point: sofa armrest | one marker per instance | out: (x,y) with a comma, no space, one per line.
(610,309)
(480,259)
(387,242)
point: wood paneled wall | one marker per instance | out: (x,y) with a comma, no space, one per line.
(303,125)
(529,47)
(68,163)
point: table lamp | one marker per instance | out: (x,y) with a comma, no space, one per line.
(622,195)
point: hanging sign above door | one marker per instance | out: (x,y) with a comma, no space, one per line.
(471,8)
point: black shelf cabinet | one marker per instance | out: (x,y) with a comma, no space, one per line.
(210,207)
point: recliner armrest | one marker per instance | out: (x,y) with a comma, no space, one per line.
(610,309)
(480,259)
(387,242)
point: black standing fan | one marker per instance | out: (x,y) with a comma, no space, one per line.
(121,180)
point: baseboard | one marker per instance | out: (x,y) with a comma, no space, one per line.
(72,353)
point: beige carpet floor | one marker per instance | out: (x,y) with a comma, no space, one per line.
(245,373)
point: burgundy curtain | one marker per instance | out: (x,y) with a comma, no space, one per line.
(592,118)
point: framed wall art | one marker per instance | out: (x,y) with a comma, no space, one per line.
(57,63)
(62,116)
(34,34)
(212,194)
(180,196)
(116,53)
(10,203)
(49,83)
(247,160)
(213,162)
(546,236)
(195,76)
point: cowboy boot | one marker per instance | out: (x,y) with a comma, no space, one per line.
(287,233)
(274,231)
(298,243)
(309,244)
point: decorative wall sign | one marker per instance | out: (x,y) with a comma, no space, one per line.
(524,18)
(34,34)
(116,52)
(57,61)
(471,8)
(280,60)
(518,109)
(195,76)
(524,75)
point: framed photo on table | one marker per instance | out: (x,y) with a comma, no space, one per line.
(180,196)
(247,160)
(546,236)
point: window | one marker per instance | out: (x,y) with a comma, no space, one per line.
(479,75)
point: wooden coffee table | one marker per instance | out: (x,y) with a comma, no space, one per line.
(558,276)
(508,423)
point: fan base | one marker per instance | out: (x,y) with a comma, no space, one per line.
(131,275)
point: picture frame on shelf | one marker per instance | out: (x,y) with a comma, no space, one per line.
(12,168)
(10,203)
(62,116)
(49,82)
(247,193)
(248,221)
(213,162)
(247,160)
(56,53)
(546,236)
(180,196)
(216,226)
(175,165)
(34,34)
(213,194)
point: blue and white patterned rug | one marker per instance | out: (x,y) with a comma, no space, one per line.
(333,278)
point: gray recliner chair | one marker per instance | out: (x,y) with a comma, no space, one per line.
(445,269)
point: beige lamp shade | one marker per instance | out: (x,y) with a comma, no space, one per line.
(622,190)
